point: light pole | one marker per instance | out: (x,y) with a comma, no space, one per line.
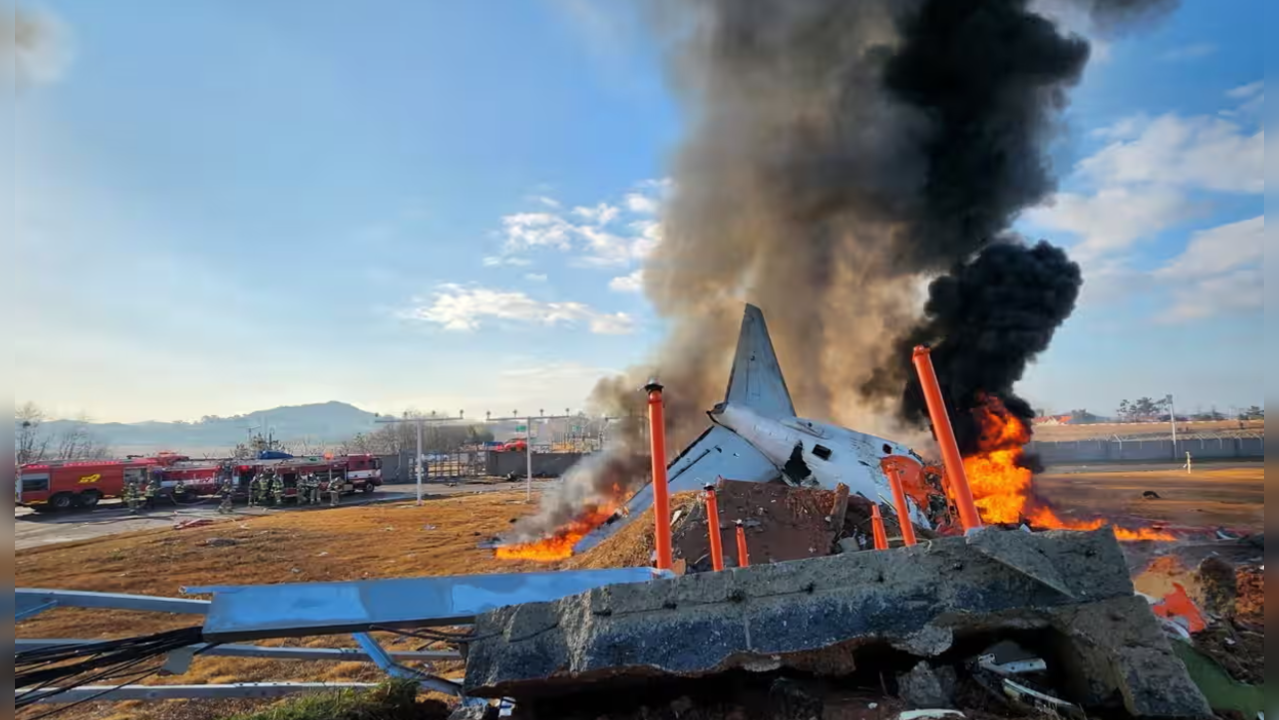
(1172,418)
(418,421)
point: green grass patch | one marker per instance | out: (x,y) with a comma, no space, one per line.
(393,700)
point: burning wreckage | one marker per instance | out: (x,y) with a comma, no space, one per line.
(980,617)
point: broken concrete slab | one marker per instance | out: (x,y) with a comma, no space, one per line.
(928,687)
(814,614)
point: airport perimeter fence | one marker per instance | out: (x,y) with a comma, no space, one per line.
(1117,449)
(452,466)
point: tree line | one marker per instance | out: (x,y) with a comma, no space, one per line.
(34,443)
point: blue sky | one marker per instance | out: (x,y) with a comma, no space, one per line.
(223,207)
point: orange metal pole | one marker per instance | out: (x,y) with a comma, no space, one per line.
(877,524)
(661,493)
(743,558)
(712,525)
(946,438)
(903,508)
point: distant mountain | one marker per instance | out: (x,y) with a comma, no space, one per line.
(321,422)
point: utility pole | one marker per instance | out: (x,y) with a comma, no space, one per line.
(528,459)
(1172,417)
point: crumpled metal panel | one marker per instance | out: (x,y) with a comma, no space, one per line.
(291,610)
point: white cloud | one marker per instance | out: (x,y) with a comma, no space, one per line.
(1252,98)
(1148,179)
(600,215)
(1194,51)
(549,202)
(535,277)
(500,260)
(1215,251)
(642,204)
(525,230)
(1200,152)
(460,308)
(38,47)
(1239,291)
(632,283)
(1114,218)
(1247,92)
(591,231)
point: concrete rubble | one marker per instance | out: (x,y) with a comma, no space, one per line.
(1068,595)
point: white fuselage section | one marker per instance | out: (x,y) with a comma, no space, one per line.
(832,454)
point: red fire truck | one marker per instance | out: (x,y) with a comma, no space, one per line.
(62,485)
(66,485)
(355,473)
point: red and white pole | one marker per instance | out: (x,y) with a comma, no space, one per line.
(661,493)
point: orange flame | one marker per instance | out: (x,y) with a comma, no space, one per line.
(559,546)
(1003,489)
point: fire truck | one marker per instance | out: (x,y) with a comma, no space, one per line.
(354,473)
(58,486)
(66,484)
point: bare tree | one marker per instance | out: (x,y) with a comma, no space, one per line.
(32,443)
(77,442)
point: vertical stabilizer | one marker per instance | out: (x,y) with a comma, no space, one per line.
(756,381)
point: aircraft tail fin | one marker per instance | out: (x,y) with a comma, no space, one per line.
(756,381)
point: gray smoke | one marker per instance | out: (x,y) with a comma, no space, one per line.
(840,156)
(35,46)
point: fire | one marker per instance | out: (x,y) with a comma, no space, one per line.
(1003,488)
(559,546)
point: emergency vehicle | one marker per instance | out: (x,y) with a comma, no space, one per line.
(66,484)
(354,473)
(58,486)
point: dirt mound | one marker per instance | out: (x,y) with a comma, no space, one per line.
(1250,602)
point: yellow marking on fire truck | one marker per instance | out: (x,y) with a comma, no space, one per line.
(90,478)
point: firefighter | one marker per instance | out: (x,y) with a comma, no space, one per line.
(314,488)
(227,491)
(152,490)
(131,498)
(255,492)
(264,487)
(303,493)
(179,492)
(335,491)
(277,489)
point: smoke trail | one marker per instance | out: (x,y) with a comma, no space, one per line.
(840,155)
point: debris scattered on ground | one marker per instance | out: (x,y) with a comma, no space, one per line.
(837,616)
(221,542)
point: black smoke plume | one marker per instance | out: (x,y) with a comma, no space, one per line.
(985,322)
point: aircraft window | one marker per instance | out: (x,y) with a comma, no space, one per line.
(821,451)
(888,449)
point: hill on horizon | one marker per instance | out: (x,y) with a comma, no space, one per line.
(318,422)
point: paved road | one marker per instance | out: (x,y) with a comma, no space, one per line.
(33,530)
